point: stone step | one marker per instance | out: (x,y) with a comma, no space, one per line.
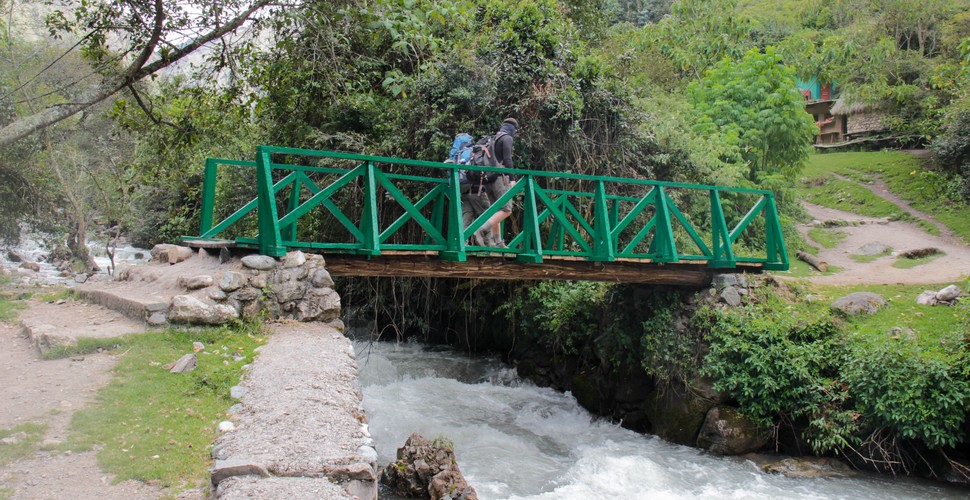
(150,311)
(48,325)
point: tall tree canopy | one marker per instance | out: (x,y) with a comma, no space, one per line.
(125,42)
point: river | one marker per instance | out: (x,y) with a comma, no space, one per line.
(32,248)
(514,440)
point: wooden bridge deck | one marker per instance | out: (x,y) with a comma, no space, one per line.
(485,265)
(497,266)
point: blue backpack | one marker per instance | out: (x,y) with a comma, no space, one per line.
(461,149)
(461,154)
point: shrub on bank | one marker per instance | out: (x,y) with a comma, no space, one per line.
(881,397)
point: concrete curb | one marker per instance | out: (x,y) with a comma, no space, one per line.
(299,426)
(139,310)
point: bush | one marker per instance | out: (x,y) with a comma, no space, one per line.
(952,151)
(775,363)
(899,385)
(881,398)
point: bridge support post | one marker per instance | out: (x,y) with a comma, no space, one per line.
(531,245)
(208,195)
(369,225)
(722,254)
(602,241)
(290,230)
(777,254)
(663,247)
(269,227)
(456,225)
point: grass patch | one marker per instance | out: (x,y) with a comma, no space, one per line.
(909,263)
(849,197)
(26,437)
(85,345)
(862,258)
(9,308)
(865,259)
(928,226)
(826,238)
(934,327)
(55,295)
(155,426)
(921,188)
(799,269)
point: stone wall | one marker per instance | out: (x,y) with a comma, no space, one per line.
(295,287)
(865,122)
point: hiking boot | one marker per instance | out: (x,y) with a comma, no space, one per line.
(482,237)
(496,241)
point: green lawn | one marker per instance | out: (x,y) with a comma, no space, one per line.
(935,327)
(154,426)
(849,197)
(920,187)
(906,263)
(27,438)
(828,238)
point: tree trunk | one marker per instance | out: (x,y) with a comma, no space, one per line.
(812,261)
(29,124)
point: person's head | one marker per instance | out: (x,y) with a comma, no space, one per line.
(509,126)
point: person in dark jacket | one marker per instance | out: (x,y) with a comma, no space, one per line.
(500,184)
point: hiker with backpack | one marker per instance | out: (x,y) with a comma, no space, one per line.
(474,198)
(479,188)
(497,185)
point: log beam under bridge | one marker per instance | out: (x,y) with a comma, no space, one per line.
(421,264)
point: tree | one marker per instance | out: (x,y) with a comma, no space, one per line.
(129,40)
(698,33)
(755,103)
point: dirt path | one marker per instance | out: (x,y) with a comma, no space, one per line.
(879,188)
(954,266)
(48,392)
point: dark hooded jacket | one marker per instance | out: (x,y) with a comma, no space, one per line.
(503,145)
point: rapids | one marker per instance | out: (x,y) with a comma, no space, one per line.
(515,440)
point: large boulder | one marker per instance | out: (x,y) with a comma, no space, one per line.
(677,414)
(948,294)
(195,282)
(727,432)
(259,262)
(232,281)
(927,298)
(859,303)
(873,248)
(189,309)
(427,469)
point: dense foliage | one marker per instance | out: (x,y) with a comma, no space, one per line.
(690,90)
(878,398)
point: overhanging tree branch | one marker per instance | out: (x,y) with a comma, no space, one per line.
(110,85)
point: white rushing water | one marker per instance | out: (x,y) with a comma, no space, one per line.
(32,248)
(514,440)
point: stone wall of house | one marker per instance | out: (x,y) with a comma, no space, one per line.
(865,122)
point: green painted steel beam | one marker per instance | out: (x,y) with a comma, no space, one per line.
(209,181)
(270,241)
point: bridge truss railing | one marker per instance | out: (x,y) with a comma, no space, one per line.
(371,200)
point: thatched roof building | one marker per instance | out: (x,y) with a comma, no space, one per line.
(861,118)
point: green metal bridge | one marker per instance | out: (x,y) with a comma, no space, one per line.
(397,217)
